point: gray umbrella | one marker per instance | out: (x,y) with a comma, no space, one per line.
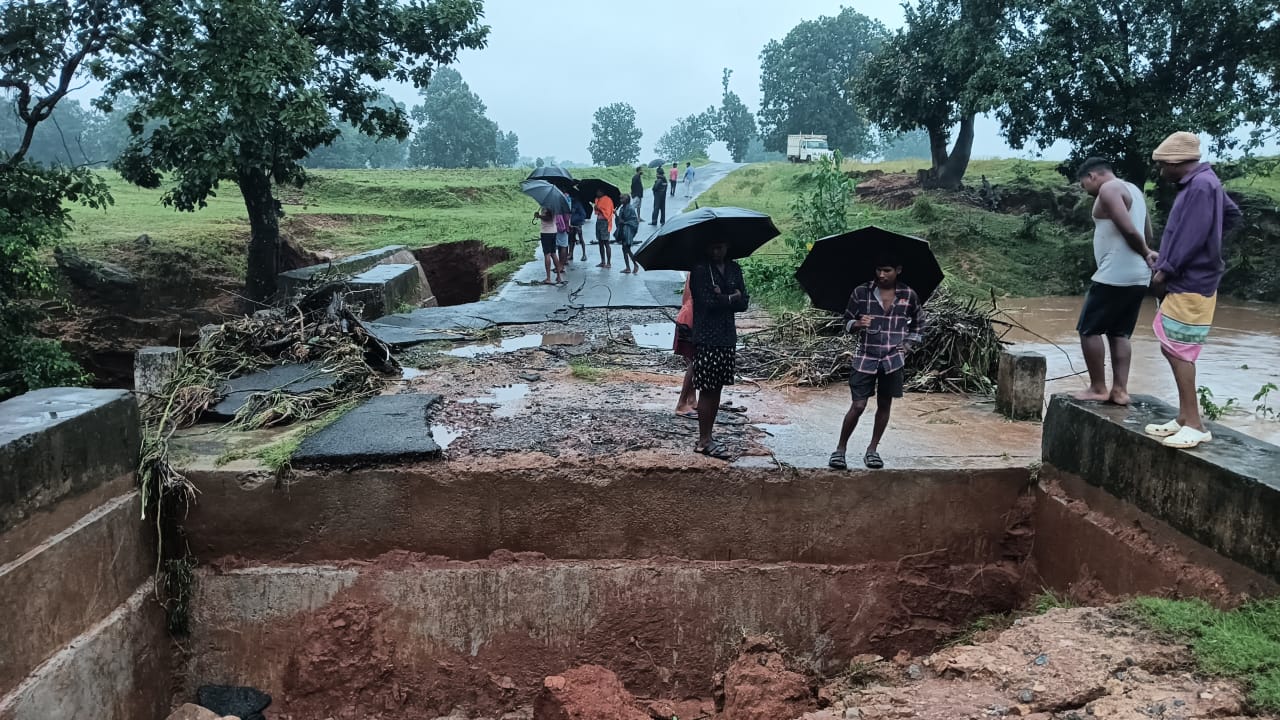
(546,195)
(559,177)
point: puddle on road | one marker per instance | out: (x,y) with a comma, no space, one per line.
(410,373)
(506,400)
(444,435)
(522,342)
(658,336)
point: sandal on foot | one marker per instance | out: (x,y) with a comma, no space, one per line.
(1165,429)
(1187,438)
(688,415)
(837,461)
(714,449)
(872,460)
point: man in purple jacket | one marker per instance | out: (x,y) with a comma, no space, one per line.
(1189,267)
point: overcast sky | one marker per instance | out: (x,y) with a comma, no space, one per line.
(549,65)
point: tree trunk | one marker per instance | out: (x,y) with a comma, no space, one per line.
(264,235)
(952,172)
(937,147)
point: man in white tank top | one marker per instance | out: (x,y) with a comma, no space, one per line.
(1121,246)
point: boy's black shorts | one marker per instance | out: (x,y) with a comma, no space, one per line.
(863,385)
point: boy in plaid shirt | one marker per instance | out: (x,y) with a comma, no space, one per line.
(890,322)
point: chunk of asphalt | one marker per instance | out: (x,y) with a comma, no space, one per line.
(384,429)
(245,703)
(291,379)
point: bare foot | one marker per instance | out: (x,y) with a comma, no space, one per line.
(1092,394)
(627,271)
(1119,397)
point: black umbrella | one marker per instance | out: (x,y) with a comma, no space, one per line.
(546,195)
(680,243)
(586,191)
(554,175)
(838,264)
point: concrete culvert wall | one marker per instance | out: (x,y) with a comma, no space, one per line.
(459,272)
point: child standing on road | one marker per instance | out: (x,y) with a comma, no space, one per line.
(890,322)
(547,219)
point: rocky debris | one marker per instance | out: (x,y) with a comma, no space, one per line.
(288,379)
(195,712)
(692,709)
(1076,664)
(97,275)
(892,190)
(245,703)
(587,692)
(759,686)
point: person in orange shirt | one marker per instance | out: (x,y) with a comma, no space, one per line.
(604,226)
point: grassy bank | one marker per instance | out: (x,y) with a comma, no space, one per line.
(344,211)
(1243,644)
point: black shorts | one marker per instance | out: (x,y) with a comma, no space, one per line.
(1111,310)
(548,243)
(863,385)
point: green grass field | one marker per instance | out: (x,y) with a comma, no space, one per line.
(341,210)
(352,210)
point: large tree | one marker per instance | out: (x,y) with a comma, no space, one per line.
(508,153)
(354,149)
(615,139)
(44,48)
(938,73)
(244,89)
(688,139)
(735,126)
(1115,78)
(453,131)
(804,82)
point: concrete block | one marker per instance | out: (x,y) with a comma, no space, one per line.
(153,368)
(59,442)
(383,288)
(69,582)
(1224,494)
(116,670)
(1020,384)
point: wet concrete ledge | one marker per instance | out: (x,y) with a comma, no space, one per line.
(60,442)
(1225,494)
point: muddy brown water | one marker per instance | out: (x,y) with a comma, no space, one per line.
(1240,357)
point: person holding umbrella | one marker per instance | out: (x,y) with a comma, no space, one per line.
(889,320)
(547,217)
(719,292)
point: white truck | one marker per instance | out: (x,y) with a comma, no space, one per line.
(806,148)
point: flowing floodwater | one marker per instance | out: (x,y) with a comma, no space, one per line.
(1239,358)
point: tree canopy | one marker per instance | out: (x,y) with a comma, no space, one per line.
(805,82)
(615,139)
(453,131)
(243,90)
(938,73)
(1114,79)
(688,139)
(734,126)
(508,153)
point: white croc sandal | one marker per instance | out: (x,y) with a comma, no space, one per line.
(1187,437)
(1164,430)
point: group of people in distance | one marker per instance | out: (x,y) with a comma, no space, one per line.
(560,233)
(890,322)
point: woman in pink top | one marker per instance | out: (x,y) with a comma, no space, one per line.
(687,405)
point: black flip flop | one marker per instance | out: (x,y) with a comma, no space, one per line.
(837,461)
(714,449)
(872,460)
